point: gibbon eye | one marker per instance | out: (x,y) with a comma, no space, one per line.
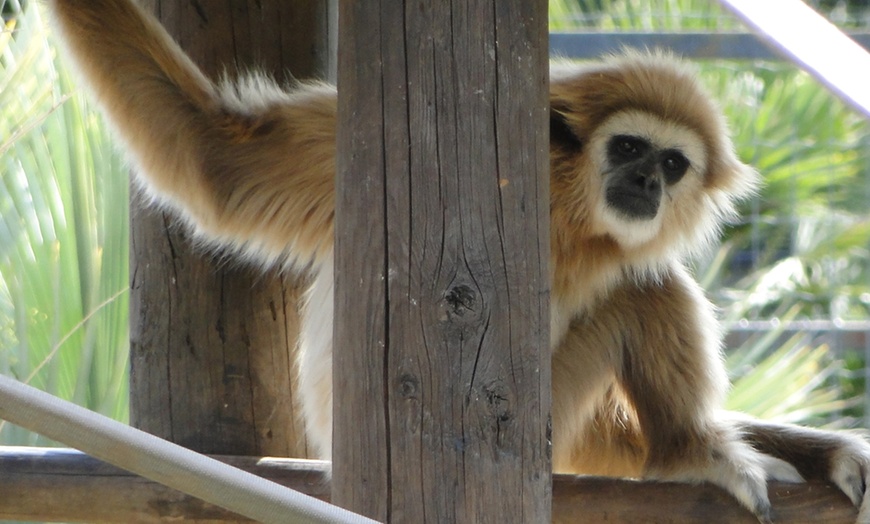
(674,166)
(627,147)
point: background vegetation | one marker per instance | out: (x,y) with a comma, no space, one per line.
(801,252)
(63,232)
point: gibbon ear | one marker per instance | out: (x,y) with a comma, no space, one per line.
(561,133)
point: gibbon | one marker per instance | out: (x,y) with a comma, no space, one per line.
(643,172)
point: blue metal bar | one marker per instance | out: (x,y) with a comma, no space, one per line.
(731,46)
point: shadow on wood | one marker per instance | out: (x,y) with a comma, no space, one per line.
(64,485)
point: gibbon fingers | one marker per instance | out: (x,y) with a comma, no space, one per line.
(643,173)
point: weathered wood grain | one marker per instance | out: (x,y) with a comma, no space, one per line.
(38,484)
(442,381)
(212,343)
(61,485)
(594,500)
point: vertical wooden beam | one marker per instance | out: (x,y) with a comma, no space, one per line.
(212,343)
(442,369)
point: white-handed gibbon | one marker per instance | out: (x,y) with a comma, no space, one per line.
(643,172)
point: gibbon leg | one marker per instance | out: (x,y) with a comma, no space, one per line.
(594,428)
(609,444)
(581,379)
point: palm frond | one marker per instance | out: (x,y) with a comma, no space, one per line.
(63,234)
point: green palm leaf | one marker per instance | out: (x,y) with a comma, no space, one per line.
(63,234)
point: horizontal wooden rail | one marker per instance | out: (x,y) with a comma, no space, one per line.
(64,485)
(61,485)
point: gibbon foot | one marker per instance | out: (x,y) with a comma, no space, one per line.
(850,471)
(741,471)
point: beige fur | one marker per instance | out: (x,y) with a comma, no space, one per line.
(637,374)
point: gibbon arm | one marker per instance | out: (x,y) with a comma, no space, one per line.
(658,416)
(249,164)
(674,378)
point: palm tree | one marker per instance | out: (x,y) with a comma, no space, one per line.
(63,232)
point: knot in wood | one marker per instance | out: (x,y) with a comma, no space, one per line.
(408,386)
(498,401)
(460,302)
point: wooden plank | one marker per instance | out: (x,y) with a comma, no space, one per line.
(442,381)
(360,447)
(212,343)
(57,485)
(594,500)
(61,485)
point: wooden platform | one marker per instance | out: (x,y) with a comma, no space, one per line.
(55,485)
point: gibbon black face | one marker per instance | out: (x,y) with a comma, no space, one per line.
(638,170)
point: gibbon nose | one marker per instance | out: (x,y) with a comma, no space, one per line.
(648,181)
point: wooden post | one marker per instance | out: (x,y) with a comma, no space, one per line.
(442,368)
(212,343)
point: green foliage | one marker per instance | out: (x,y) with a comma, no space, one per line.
(639,15)
(791,378)
(63,234)
(809,232)
(11,9)
(678,15)
(850,13)
(802,252)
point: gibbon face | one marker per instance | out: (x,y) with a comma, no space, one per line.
(641,155)
(648,166)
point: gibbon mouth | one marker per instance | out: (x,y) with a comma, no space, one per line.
(638,205)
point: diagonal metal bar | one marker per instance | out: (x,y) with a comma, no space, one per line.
(814,43)
(162,461)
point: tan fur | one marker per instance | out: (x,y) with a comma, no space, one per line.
(637,375)
(198,154)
